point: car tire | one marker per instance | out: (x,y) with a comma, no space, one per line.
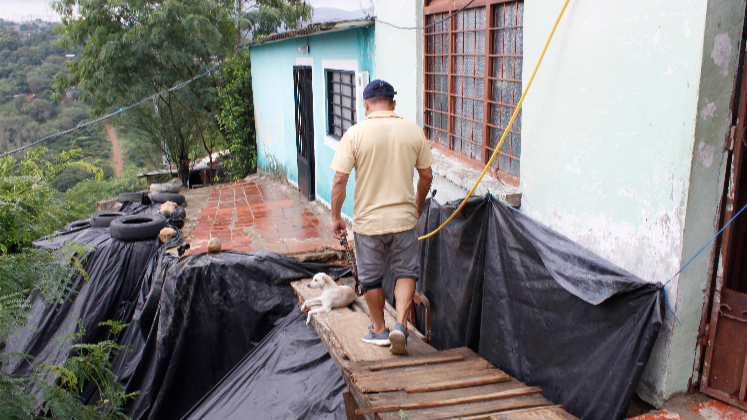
(137,227)
(133,197)
(103,220)
(78,224)
(164,197)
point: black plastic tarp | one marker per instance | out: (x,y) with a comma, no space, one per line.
(213,309)
(538,306)
(114,269)
(289,376)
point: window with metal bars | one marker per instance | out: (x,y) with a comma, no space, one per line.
(473,81)
(340,102)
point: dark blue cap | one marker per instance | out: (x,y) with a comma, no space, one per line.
(378,88)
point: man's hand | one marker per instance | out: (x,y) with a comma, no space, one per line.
(420,211)
(338,197)
(339,228)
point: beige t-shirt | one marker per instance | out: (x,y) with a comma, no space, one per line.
(384,149)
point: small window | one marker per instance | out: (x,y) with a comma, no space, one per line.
(340,102)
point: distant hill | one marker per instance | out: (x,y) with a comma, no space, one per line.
(327,14)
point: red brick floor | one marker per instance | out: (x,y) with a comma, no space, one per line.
(694,407)
(261,215)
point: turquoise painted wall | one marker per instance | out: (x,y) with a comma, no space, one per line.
(274,106)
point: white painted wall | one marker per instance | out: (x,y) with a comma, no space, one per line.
(608,133)
(399,54)
(609,128)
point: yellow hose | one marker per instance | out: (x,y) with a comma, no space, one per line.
(510,123)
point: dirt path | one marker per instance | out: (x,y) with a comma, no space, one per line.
(116,152)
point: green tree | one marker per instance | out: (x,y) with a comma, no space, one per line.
(263,17)
(133,49)
(236,116)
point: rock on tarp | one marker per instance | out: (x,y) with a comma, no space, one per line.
(289,375)
(537,305)
(213,309)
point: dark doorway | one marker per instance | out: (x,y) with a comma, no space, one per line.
(304,130)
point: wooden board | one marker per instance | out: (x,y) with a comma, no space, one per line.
(349,331)
(468,382)
(461,400)
(461,353)
(429,359)
(549,413)
(469,371)
(464,410)
(417,376)
(402,397)
(376,378)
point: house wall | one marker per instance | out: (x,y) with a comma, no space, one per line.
(274,103)
(609,135)
(399,54)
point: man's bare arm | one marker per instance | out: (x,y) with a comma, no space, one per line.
(339,185)
(424,185)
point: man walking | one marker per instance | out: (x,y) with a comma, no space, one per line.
(385,151)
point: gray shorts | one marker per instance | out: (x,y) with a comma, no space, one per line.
(371,253)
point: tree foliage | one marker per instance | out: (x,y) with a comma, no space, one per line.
(87,193)
(236,116)
(264,17)
(133,49)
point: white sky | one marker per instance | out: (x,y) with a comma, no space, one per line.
(23,9)
(339,4)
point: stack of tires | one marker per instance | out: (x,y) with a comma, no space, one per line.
(143,225)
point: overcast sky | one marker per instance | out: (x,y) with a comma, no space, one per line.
(22,9)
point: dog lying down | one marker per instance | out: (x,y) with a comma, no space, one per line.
(333,295)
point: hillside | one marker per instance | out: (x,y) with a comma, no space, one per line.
(29,59)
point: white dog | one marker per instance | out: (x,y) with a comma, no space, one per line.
(333,295)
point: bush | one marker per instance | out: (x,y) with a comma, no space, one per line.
(30,208)
(86,193)
(236,116)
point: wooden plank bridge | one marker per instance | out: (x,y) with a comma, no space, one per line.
(428,384)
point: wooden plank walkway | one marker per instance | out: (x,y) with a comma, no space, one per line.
(427,384)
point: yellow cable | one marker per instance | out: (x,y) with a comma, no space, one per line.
(510,123)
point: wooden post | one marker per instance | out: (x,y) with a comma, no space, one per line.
(350,406)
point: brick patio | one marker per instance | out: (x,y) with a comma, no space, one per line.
(261,214)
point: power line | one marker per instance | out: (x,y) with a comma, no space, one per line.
(80,126)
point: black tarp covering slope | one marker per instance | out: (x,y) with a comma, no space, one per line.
(125,362)
(537,305)
(289,376)
(213,310)
(114,270)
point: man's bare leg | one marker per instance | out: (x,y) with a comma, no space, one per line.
(375,301)
(403,293)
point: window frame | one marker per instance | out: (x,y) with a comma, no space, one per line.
(328,75)
(432,88)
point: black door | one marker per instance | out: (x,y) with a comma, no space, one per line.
(304,130)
